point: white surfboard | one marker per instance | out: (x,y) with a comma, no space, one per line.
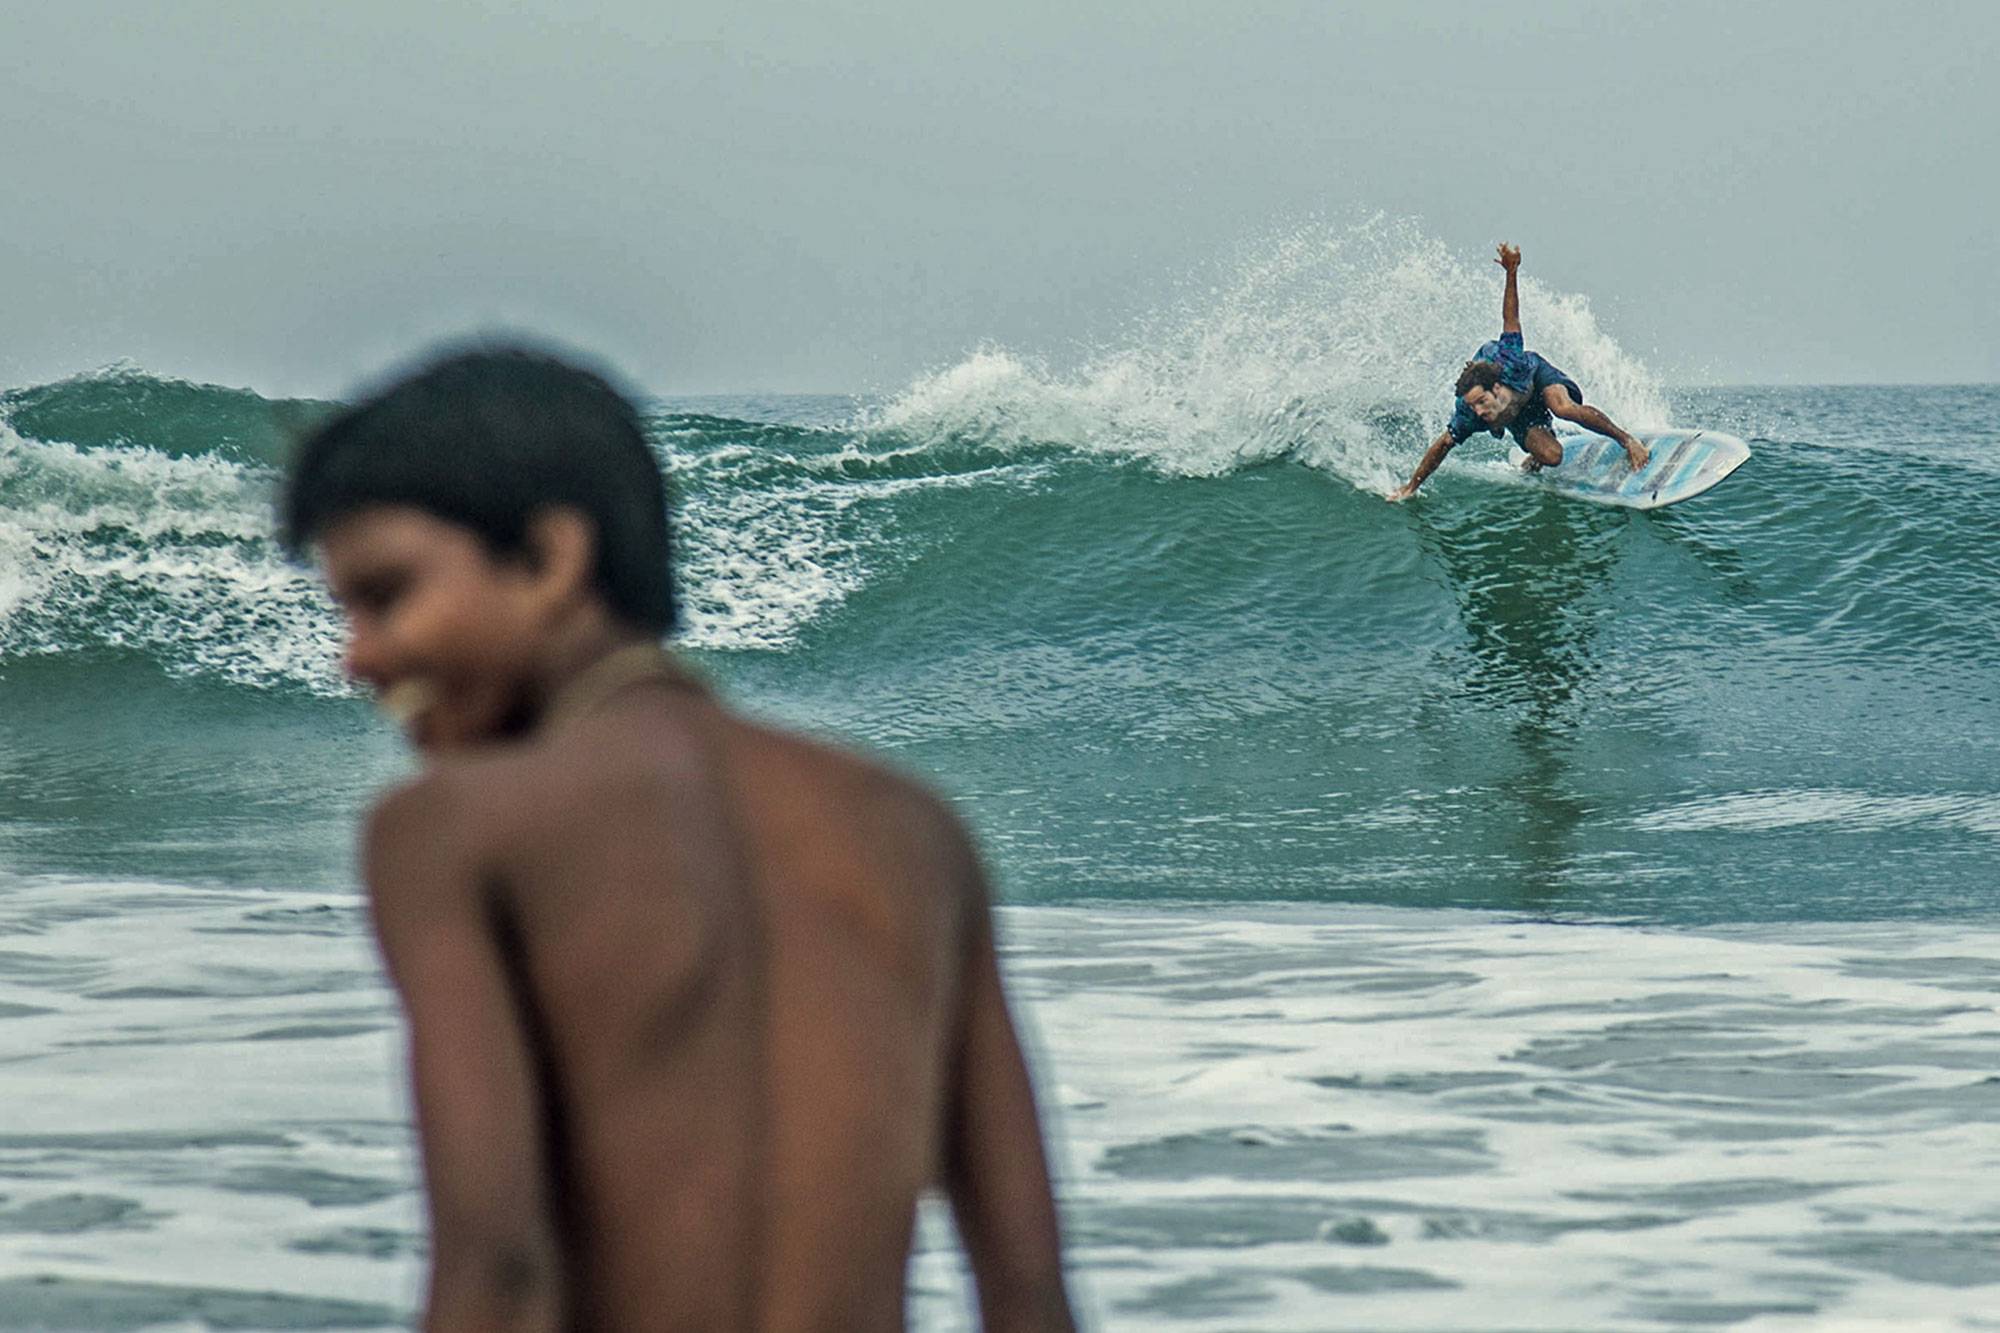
(1680,465)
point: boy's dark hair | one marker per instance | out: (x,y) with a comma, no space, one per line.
(487,439)
(1483,374)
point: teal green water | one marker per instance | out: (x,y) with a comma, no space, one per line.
(1219,714)
(1151,662)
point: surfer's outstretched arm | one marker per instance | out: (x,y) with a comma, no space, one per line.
(1434,455)
(1510,300)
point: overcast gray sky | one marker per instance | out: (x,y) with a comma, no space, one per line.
(823,195)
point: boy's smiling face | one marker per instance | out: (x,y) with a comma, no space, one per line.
(441,628)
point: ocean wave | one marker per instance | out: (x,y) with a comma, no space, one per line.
(130,548)
(171,552)
(781,526)
(1138,487)
(124,406)
(1334,346)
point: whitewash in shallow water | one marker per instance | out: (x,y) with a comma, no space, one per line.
(1286,1118)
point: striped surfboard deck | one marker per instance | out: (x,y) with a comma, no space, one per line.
(1682,464)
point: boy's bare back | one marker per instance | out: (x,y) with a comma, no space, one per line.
(697,1011)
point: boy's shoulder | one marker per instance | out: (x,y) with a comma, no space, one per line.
(465,807)
(432,814)
(464,803)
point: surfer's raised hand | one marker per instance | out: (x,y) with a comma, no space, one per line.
(1510,257)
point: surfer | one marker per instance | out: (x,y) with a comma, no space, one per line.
(1506,387)
(697,1009)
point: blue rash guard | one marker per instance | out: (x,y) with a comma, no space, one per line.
(1522,370)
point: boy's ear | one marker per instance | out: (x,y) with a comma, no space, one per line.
(561,551)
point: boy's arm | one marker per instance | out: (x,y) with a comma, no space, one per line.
(1428,464)
(1510,300)
(996,1171)
(494,1259)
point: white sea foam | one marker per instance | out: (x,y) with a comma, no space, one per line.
(1846,811)
(126,546)
(1273,1118)
(201,1081)
(1334,345)
(1412,1120)
(129,547)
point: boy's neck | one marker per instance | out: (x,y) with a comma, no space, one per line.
(641,662)
(574,653)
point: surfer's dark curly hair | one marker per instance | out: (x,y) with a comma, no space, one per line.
(487,439)
(1477,374)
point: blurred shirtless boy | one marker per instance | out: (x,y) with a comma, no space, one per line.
(697,1009)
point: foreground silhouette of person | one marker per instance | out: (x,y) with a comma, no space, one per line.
(1507,387)
(697,1009)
